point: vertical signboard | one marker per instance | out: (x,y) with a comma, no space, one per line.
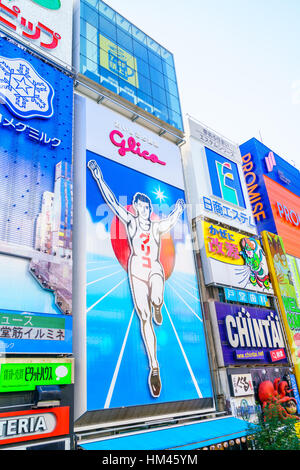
(36,214)
(285,292)
(143,307)
(45,25)
(213,168)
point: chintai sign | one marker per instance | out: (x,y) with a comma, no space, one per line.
(249,335)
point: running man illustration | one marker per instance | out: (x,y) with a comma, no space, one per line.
(145,271)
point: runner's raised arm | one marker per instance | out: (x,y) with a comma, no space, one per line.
(107,193)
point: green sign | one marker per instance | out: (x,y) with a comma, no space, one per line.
(32,321)
(51,4)
(26,376)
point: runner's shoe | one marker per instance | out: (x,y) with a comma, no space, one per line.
(154,383)
(157,316)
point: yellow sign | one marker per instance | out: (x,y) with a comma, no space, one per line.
(117,60)
(222,244)
(286,294)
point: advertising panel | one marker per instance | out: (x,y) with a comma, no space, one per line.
(286,213)
(142,299)
(242,384)
(23,375)
(36,213)
(233,259)
(45,25)
(21,426)
(216,188)
(261,164)
(242,296)
(285,292)
(248,335)
(294,266)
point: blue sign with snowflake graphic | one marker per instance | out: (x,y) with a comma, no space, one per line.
(23,90)
(36,122)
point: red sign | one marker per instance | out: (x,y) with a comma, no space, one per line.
(277,355)
(132,146)
(13,18)
(33,424)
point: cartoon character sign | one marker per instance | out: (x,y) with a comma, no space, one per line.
(253,256)
(145,271)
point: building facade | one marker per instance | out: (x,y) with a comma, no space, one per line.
(245,327)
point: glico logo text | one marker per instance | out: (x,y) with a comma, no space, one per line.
(132,146)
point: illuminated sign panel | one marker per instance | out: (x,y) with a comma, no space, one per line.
(36,208)
(18,376)
(20,426)
(225,180)
(285,292)
(250,335)
(213,170)
(286,212)
(230,258)
(142,300)
(43,24)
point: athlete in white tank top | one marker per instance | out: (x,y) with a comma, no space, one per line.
(146,273)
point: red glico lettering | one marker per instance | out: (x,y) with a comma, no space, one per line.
(132,146)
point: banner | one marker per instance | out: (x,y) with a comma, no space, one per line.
(285,292)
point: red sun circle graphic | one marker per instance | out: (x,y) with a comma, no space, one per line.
(121,247)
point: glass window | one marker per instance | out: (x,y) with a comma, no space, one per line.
(175,119)
(173,103)
(107,28)
(140,50)
(127,91)
(143,68)
(157,77)
(123,24)
(91,33)
(159,94)
(167,56)
(144,84)
(93,3)
(155,61)
(108,80)
(145,101)
(171,87)
(89,14)
(124,40)
(138,35)
(106,11)
(169,71)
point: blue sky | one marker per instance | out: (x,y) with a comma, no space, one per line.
(237,63)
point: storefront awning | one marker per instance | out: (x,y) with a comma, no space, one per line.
(183,437)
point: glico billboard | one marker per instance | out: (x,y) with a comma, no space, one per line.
(140,341)
(35,205)
(44,25)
